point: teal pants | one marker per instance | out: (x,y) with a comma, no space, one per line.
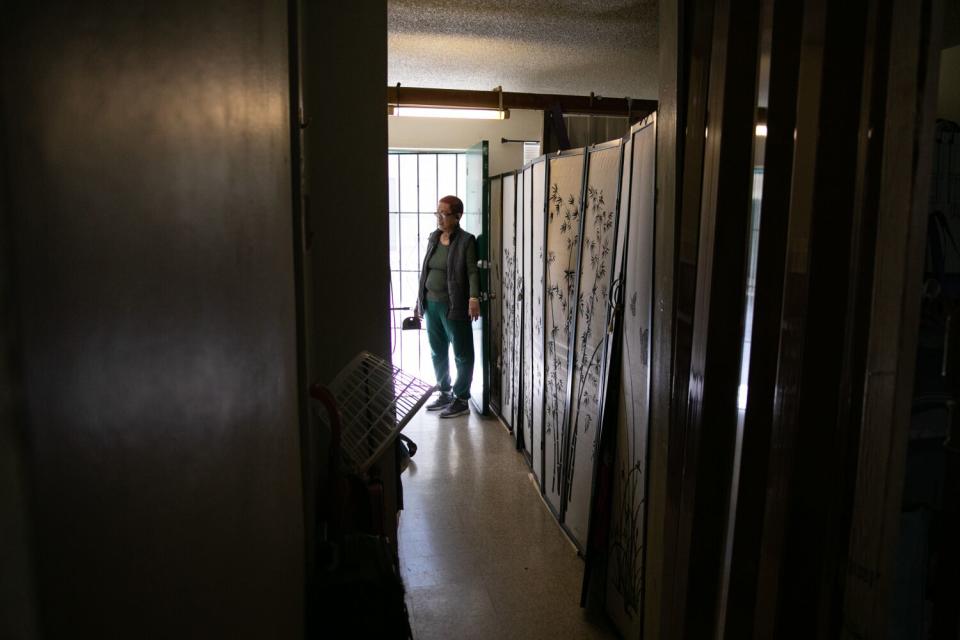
(442,332)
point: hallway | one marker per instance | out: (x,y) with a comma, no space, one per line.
(481,556)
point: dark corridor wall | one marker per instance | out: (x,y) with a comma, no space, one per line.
(149,203)
(344,57)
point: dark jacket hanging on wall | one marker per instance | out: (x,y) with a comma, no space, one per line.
(458,280)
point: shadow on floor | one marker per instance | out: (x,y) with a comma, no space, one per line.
(480,555)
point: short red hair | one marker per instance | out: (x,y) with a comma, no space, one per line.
(456,204)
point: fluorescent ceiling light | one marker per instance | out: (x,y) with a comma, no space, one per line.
(449,112)
(761,130)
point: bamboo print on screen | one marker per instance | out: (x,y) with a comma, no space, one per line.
(625,569)
(592,313)
(537,310)
(563,236)
(508,302)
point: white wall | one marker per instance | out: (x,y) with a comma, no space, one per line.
(948,103)
(449,133)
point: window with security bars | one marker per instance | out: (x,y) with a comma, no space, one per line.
(417,180)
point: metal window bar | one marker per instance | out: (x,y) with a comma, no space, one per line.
(375,401)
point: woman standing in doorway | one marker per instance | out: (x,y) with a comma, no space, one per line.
(449,298)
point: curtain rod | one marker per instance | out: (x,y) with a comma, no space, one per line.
(468,99)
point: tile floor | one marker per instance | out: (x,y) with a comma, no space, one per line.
(480,555)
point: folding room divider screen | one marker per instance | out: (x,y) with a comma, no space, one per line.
(496,288)
(510,366)
(519,278)
(539,173)
(564,197)
(527,378)
(635,264)
(594,273)
(576,249)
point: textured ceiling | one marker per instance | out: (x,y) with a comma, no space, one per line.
(608,47)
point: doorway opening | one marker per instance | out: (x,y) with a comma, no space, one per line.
(416,180)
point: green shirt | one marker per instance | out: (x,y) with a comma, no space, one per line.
(437,274)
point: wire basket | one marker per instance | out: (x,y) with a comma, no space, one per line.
(375,401)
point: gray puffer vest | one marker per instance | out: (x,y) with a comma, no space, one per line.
(458,283)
